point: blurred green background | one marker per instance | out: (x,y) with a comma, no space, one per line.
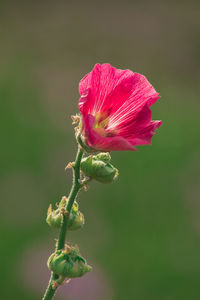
(142,233)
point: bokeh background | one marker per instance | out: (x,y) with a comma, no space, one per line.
(142,233)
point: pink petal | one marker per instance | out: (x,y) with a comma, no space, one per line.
(100,143)
(144,135)
(124,98)
(100,81)
(137,121)
(119,92)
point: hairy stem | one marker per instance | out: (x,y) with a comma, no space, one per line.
(76,185)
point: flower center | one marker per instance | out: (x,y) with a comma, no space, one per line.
(101,122)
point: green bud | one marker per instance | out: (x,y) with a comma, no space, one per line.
(76,220)
(54,217)
(99,169)
(68,263)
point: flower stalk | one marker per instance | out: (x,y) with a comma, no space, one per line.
(72,196)
(76,186)
(114,115)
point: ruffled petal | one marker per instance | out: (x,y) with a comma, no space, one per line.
(120,92)
(137,121)
(140,129)
(98,85)
(143,94)
(144,135)
(115,108)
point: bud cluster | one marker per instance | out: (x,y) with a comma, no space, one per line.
(67,262)
(55,217)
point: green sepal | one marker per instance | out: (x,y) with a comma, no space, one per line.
(63,202)
(83,144)
(103,156)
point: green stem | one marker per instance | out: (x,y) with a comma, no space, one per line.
(50,291)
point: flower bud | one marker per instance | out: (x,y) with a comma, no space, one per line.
(54,217)
(99,169)
(68,263)
(76,220)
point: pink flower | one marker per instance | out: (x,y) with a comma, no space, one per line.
(115,109)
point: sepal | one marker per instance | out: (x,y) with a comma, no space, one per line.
(81,140)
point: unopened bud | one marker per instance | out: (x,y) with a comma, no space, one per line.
(76,220)
(68,263)
(99,168)
(54,217)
